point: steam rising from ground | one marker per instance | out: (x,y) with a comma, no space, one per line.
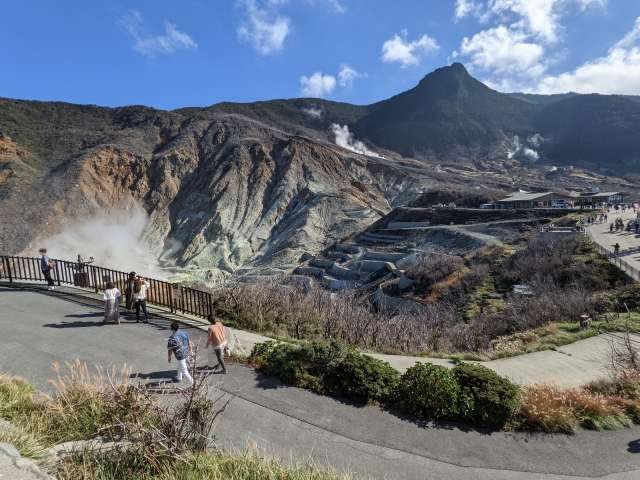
(345,139)
(517,149)
(115,239)
(313,112)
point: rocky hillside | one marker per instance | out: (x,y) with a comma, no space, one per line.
(258,185)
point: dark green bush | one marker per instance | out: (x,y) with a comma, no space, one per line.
(486,398)
(627,297)
(428,392)
(304,365)
(363,378)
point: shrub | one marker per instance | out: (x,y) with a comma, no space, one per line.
(363,378)
(428,392)
(626,297)
(545,408)
(305,365)
(327,367)
(429,269)
(487,399)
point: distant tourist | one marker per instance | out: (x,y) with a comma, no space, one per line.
(611,227)
(179,345)
(46,264)
(217,340)
(140,287)
(111,303)
(616,249)
(128,290)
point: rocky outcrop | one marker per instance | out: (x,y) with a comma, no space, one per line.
(222,191)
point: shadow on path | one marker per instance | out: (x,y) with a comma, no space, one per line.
(76,324)
(84,315)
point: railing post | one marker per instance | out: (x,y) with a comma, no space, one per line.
(7,263)
(93,274)
(57,272)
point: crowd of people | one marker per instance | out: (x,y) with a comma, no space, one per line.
(179,345)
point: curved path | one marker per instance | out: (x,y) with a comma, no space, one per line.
(39,328)
(629,241)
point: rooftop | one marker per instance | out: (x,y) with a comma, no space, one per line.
(600,194)
(524,196)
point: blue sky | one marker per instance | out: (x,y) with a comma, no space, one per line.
(171,54)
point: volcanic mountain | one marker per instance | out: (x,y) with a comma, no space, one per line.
(258,185)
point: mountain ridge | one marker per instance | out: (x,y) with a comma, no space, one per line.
(259,185)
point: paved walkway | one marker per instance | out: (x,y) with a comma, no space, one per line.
(629,241)
(39,328)
(573,365)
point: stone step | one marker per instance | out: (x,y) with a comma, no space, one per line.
(381,239)
(384,256)
(347,248)
(310,271)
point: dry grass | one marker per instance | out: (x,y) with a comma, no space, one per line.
(214,466)
(551,409)
(547,409)
(80,408)
(25,442)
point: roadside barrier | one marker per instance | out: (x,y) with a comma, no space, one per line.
(618,261)
(176,297)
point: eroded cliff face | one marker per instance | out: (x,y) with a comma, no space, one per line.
(222,193)
(236,187)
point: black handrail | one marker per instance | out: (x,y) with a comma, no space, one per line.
(174,296)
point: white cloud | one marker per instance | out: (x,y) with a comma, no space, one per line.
(337,6)
(152,45)
(317,85)
(347,75)
(465,8)
(522,45)
(618,72)
(407,53)
(539,18)
(502,50)
(264,28)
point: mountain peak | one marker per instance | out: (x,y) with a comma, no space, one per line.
(454,74)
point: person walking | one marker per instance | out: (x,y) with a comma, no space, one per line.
(616,249)
(128,290)
(46,265)
(179,345)
(111,297)
(140,287)
(611,228)
(217,340)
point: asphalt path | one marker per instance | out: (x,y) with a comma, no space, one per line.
(39,328)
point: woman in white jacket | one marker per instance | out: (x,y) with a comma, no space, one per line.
(111,303)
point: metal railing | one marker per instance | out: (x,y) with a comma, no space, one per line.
(176,297)
(618,261)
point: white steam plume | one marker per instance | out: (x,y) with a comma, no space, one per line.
(313,112)
(531,154)
(345,139)
(115,239)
